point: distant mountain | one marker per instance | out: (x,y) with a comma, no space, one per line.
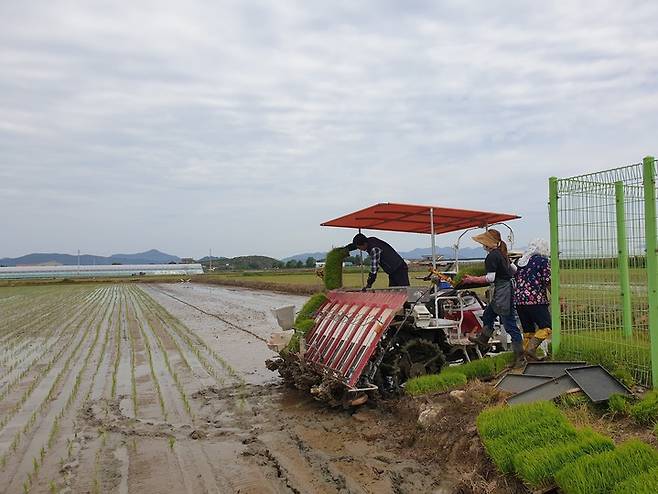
(302,257)
(446,252)
(152,256)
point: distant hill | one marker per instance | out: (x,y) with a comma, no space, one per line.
(241,262)
(447,252)
(302,257)
(152,256)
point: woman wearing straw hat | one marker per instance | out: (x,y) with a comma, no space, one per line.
(499,272)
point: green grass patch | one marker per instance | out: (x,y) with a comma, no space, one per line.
(618,405)
(434,383)
(646,483)
(333,268)
(645,411)
(600,472)
(537,467)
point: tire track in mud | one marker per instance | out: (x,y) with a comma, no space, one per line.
(224,320)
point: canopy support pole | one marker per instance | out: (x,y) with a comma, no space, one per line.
(361,262)
(433,238)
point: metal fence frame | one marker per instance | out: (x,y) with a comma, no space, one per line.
(606,221)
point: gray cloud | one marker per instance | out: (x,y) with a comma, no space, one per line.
(243,125)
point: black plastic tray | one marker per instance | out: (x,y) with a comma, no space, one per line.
(597,383)
(545,392)
(517,383)
(550,368)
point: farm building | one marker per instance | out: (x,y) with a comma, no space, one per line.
(59,272)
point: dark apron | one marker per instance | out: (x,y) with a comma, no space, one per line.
(501,301)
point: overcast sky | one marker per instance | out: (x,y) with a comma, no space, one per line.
(242,125)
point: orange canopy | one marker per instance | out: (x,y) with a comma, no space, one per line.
(416,219)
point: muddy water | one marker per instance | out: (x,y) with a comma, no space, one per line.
(246,309)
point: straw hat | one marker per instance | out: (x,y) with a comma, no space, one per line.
(488,239)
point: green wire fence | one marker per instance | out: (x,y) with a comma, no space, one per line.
(604,287)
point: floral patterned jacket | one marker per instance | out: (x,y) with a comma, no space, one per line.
(532,281)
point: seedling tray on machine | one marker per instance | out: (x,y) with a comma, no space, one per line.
(550,369)
(597,383)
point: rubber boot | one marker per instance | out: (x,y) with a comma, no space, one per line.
(526,339)
(482,339)
(519,359)
(537,339)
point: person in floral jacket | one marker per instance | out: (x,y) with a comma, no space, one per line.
(533,279)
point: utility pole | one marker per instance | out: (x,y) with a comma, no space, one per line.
(210,252)
(78,263)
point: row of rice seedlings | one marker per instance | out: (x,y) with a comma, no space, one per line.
(193,342)
(498,421)
(485,367)
(646,483)
(37,380)
(109,321)
(55,426)
(133,363)
(551,429)
(149,354)
(37,462)
(153,321)
(16,322)
(46,350)
(117,350)
(601,472)
(434,383)
(180,329)
(537,467)
(645,411)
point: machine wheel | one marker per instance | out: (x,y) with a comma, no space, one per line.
(419,357)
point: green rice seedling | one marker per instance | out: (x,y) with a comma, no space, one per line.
(333,268)
(525,436)
(500,420)
(53,487)
(618,405)
(311,307)
(600,472)
(469,270)
(172,441)
(434,383)
(646,483)
(645,412)
(537,467)
(482,368)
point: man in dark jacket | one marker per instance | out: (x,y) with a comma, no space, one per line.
(381,254)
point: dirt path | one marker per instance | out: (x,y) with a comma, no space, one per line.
(162,388)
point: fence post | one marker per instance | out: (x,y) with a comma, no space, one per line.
(556,322)
(649,182)
(622,251)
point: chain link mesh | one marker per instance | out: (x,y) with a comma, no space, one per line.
(591,284)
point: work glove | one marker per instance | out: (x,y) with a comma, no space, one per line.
(366,288)
(371,280)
